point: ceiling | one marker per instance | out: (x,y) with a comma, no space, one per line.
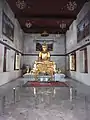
(45,15)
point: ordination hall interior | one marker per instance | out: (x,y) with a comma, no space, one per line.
(44,60)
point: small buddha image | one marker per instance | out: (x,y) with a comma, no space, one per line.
(59,71)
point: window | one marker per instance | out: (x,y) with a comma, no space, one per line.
(17,61)
(83,61)
(4,63)
(72,61)
(67,63)
(1,57)
(8,64)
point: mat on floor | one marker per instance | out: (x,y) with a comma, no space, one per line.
(45,84)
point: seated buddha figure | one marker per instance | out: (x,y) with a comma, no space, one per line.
(43,64)
(44,55)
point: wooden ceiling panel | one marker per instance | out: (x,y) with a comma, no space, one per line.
(45,14)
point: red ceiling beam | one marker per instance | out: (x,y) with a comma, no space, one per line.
(50,30)
(39,31)
(20,16)
(45,28)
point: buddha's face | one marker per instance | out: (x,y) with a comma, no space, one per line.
(44,48)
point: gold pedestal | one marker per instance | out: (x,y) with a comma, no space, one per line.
(46,67)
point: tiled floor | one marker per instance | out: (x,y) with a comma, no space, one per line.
(46,106)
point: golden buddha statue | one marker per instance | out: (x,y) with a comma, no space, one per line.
(43,64)
(44,55)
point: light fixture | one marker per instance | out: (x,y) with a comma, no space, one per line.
(72,5)
(44,34)
(21,4)
(58,35)
(62,25)
(28,24)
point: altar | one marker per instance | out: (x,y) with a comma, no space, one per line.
(45,78)
(44,69)
(43,65)
(45,83)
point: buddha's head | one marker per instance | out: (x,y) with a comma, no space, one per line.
(44,47)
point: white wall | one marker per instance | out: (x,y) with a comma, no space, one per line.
(71,35)
(16,44)
(58,48)
(30,44)
(71,44)
(8,76)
